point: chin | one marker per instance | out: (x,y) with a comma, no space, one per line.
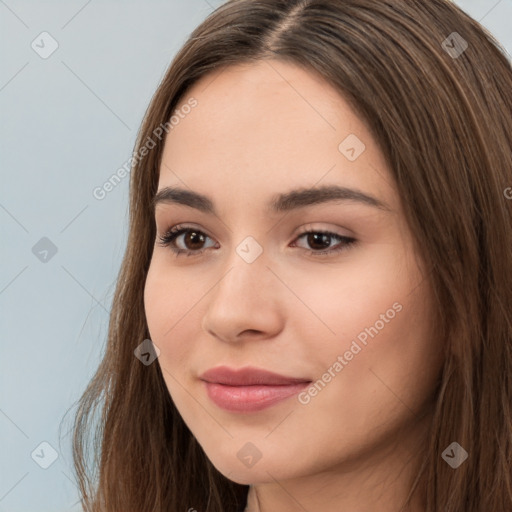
(264,470)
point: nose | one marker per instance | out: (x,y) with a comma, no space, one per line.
(245,303)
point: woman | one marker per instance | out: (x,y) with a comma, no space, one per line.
(313,311)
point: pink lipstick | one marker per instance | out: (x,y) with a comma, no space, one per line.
(249,389)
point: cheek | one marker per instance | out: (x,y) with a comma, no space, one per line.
(371,341)
(344,301)
(388,365)
(168,304)
(166,301)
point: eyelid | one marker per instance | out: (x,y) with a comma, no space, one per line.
(313,227)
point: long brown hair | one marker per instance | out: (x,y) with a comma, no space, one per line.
(441,113)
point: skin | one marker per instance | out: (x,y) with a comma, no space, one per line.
(257,130)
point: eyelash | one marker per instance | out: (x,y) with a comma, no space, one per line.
(167,238)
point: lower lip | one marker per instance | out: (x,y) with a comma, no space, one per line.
(251,398)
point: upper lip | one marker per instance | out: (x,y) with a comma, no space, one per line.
(247,376)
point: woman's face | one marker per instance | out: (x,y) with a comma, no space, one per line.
(353,322)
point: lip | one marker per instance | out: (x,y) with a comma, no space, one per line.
(249,389)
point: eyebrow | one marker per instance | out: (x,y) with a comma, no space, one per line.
(283,202)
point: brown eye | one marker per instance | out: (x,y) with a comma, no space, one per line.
(320,240)
(193,240)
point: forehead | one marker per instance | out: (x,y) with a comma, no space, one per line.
(269,126)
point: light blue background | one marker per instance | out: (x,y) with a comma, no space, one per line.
(68,123)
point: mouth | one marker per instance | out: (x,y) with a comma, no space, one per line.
(249,389)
